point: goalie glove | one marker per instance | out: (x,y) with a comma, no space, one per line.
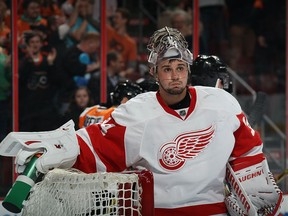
(253,190)
(58,148)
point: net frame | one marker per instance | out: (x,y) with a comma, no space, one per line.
(71,192)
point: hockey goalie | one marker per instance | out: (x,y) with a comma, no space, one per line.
(194,139)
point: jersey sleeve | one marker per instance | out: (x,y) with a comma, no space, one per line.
(247,140)
(115,144)
(102,148)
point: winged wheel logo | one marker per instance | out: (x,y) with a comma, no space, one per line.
(173,155)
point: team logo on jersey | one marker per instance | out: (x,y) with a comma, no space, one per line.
(173,155)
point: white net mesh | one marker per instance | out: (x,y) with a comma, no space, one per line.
(66,192)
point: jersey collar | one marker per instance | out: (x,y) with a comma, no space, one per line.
(192,93)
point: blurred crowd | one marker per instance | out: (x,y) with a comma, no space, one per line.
(59,50)
(248,35)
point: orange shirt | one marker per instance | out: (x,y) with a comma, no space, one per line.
(48,11)
(124,44)
(94,114)
(4,32)
(25,26)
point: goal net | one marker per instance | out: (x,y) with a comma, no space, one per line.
(71,192)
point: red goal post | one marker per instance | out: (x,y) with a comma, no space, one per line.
(70,192)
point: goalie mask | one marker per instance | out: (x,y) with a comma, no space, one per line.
(168,43)
(207,69)
(125,89)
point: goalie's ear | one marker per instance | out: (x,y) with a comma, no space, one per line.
(152,71)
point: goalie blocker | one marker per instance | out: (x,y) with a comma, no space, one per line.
(252,188)
(61,144)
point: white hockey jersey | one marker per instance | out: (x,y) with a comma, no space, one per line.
(186,153)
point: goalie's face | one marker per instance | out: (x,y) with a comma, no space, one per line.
(172,76)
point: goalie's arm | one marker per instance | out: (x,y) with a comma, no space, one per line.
(58,148)
(92,149)
(102,148)
(252,186)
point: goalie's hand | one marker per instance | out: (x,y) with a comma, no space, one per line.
(58,148)
(251,178)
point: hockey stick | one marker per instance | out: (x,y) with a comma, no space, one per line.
(280,177)
(257,109)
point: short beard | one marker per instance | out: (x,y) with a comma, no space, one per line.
(175,92)
(172,91)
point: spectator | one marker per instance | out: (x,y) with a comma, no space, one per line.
(50,8)
(78,63)
(38,81)
(69,12)
(58,27)
(80,22)
(82,58)
(119,40)
(80,100)
(57,30)
(43,31)
(164,19)
(67,7)
(111,7)
(31,16)
(182,20)
(115,65)
(4,29)
(5,93)
(5,96)
(6,14)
